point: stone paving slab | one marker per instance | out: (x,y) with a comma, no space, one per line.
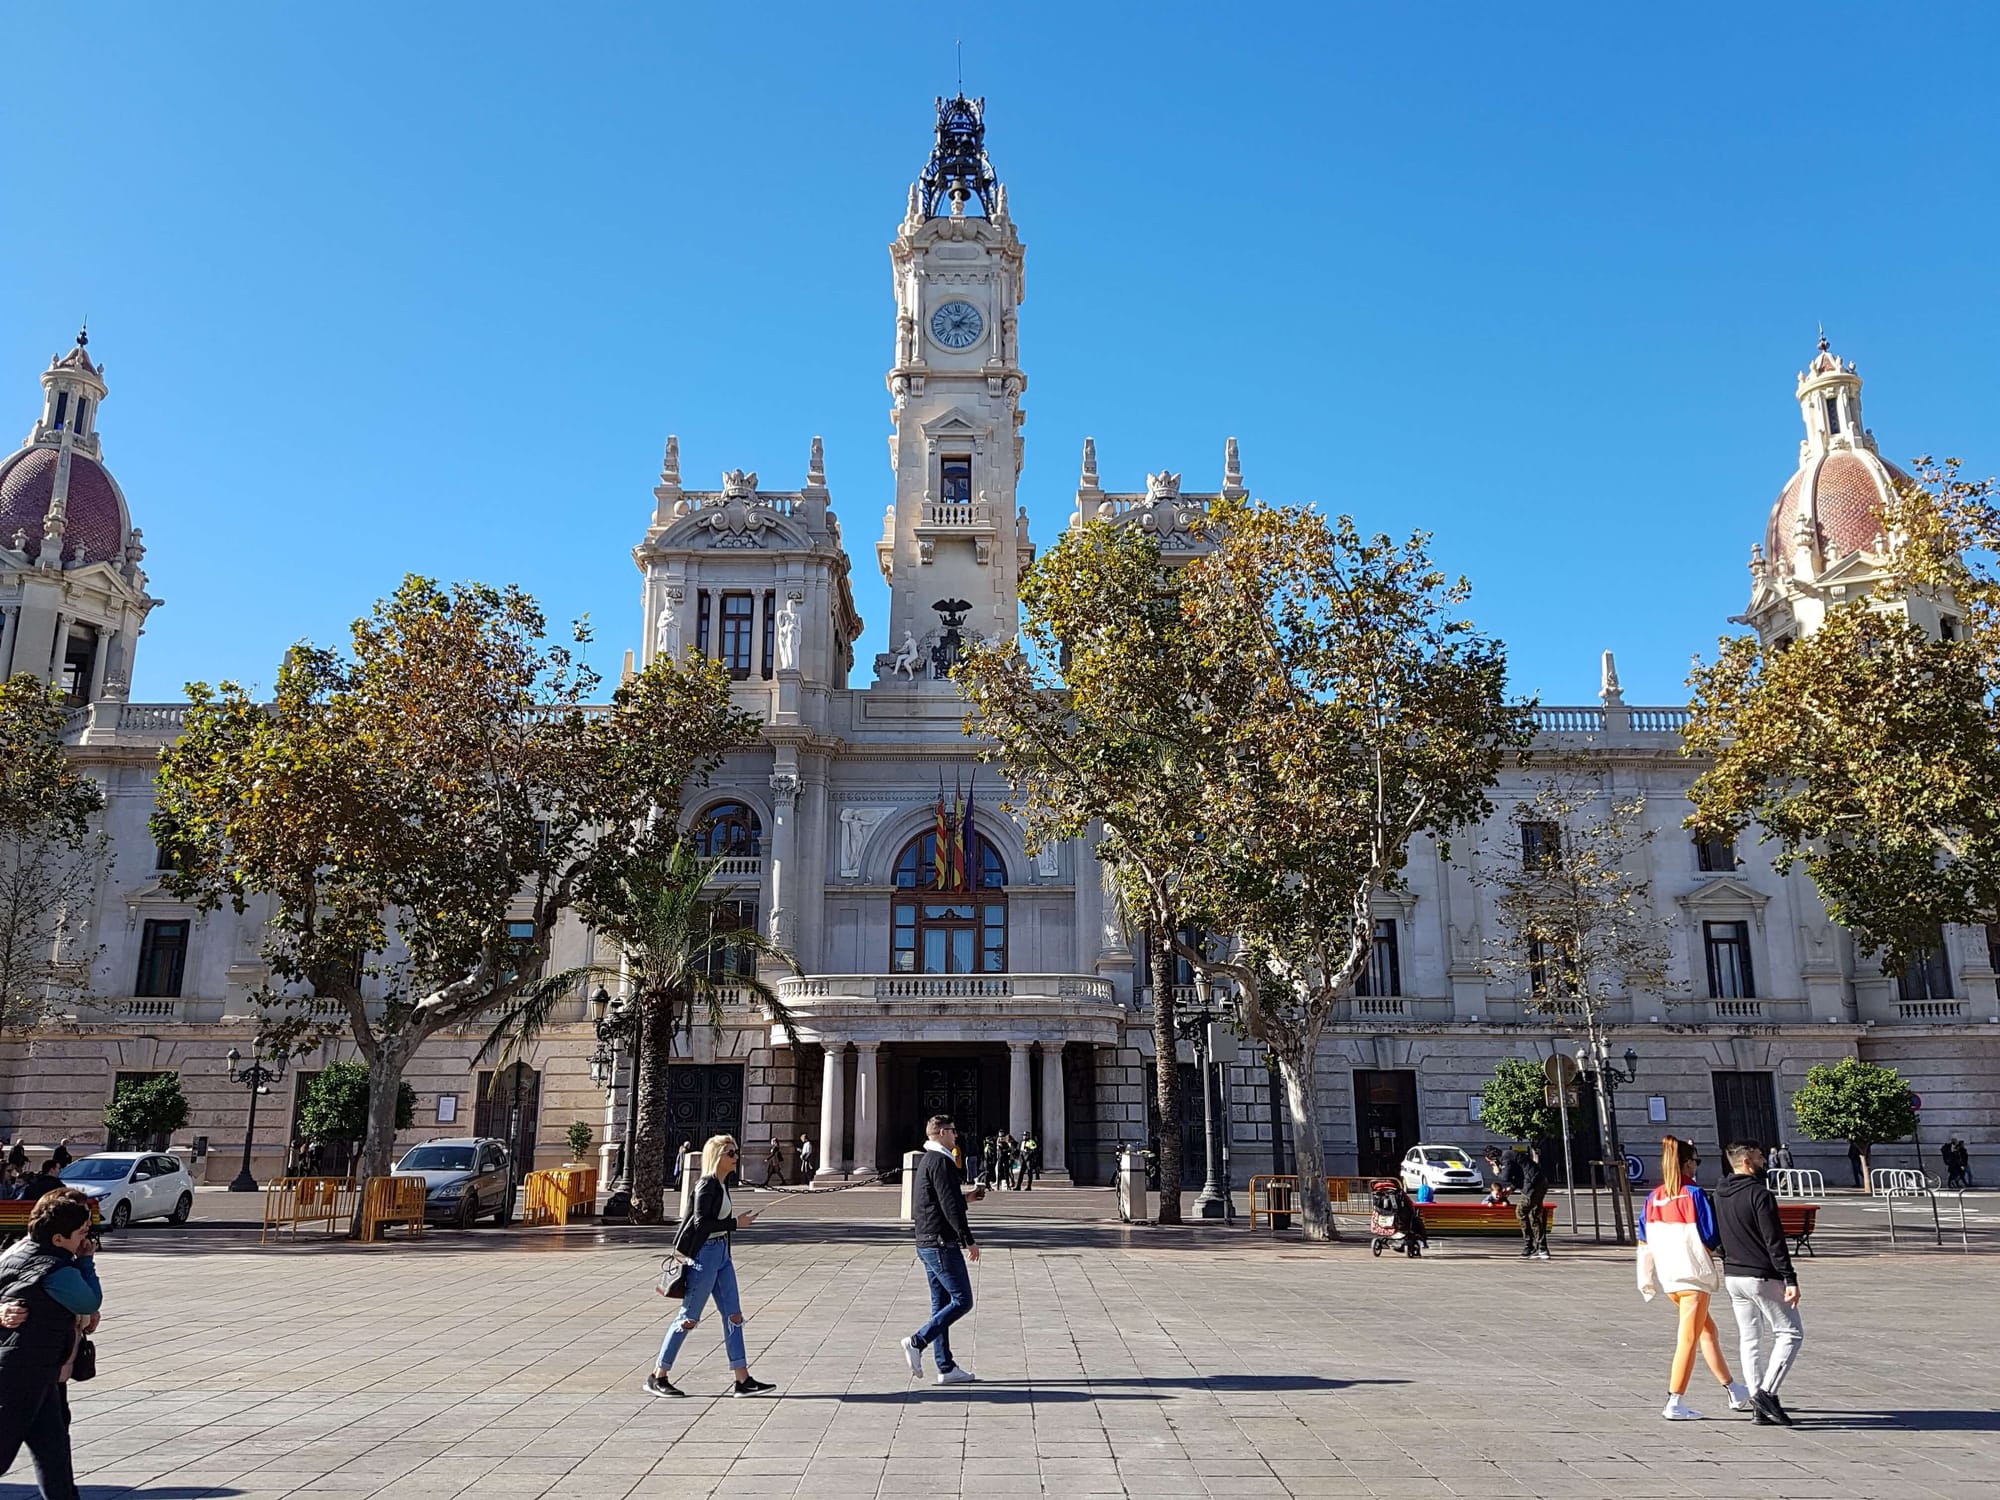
(1112,1361)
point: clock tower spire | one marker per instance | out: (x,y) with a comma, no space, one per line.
(954,535)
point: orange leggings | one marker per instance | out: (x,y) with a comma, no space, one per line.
(1697,1327)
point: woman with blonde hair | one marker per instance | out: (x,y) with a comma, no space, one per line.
(703,1241)
(1678,1245)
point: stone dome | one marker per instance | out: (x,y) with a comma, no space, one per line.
(93,517)
(1846,491)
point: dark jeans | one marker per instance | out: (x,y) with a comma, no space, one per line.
(951,1299)
(1534,1229)
(39,1417)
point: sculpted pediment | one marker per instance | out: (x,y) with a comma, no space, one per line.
(955,422)
(1723,896)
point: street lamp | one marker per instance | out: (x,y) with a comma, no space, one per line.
(1595,1056)
(615,1022)
(1213,1202)
(258,1079)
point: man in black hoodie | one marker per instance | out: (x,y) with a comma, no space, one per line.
(944,1244)
(1757,1270)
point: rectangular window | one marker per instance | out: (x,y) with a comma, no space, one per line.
(1832,414)
(62,406)
(1947,627)
(903,950)
(521,938)
(770,633)
(730,959)
(1712,856)
(1541,845)
(1384,974)
(1551,967)
(1728,947)
(162,957)
(993,940)
(701,621)
(737,613)
(957,481)
(1927,976)
(82,413)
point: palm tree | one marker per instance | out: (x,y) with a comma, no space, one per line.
(683,955)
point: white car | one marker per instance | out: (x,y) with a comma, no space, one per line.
(1448,1169)
(132,1185)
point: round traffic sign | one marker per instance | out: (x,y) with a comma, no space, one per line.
(1635,1170)
(1917,1102)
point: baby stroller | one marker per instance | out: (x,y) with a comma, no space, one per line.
(1393,1220)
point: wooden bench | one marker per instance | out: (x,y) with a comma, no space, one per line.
(14,1217)
(1441,1217)
(1798,1220)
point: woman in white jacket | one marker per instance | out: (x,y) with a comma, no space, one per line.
(1678,1245)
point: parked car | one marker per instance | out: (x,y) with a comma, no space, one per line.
(132,1185)
(1448,1169)
(465,1179)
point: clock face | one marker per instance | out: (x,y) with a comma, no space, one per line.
(957,325)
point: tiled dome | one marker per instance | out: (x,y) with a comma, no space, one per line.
(94,516)
(1849,490)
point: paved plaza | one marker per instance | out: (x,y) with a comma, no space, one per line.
(1111,1361)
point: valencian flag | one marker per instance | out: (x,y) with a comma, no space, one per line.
(968,861)
(957,835)
(941,842)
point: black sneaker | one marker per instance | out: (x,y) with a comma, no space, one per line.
(658,1387)
(750,1387)
(1769,1413)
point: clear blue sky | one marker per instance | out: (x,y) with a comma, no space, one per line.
(424,287)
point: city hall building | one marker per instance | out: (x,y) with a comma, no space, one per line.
(1016,999)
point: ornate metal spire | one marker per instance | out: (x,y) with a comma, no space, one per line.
(958,169)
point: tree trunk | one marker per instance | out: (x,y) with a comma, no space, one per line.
(1295,1065)
(1166,1076)
(652,1051)
(385,1082)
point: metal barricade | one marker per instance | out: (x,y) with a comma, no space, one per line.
(1795,1182)
(1930,1196)
(1275,1195)
(292,1201)
(388,1201)
(556,1195)
(1890,1182)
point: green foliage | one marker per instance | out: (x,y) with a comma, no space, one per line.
(1513,1103)
(146,1107)
(579,1138)
(41,792)
(411,797)
(333,1106)
(1855,1101)
(1868,751)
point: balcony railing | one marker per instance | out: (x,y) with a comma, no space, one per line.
(1737,1010)
(1929,1010)
(149,1009)
(815,989)
(738,869)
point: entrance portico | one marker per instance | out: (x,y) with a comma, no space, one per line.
(986,1049)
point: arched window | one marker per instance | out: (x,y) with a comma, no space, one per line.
(727,828)
(942,927)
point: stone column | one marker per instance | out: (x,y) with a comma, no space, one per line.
(58,650)
(99,657)
(13,629)
(867,1106)
(1020,1098)
(784,802)
(832,1122)
(1054,1137)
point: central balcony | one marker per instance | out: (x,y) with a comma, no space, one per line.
(1083,1006)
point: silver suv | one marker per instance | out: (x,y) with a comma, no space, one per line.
(465,1178)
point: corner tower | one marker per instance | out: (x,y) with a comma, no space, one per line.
(954,542)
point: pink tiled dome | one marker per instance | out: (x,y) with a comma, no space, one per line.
(94,515)
(1849,491)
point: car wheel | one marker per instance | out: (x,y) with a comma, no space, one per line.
(504,1212)
(182,1209)
(122,1214)
(468,1209)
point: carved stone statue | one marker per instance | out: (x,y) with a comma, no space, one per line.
(667,631)
(788,635)
(856,823)
(907,658)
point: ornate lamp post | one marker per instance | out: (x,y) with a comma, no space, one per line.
(258,1079)
(1213,1202)
(1594,1056)
(616,1024)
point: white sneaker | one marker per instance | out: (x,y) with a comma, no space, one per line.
(1677,1410)
(956,1375)
(1739,1397)
(914,1355)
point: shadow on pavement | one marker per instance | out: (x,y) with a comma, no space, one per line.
(1135,1388)
(1901,1421)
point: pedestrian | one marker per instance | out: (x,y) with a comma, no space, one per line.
(1781,1159)
(17,1157)
(42,1180)
(1854,1162)
(48,1291)
(680,1159)
(1031,1160)
(774,1166)
(60,1156)
(703,1240)
(1528,1209)
(1677,1250)
(944,1244)
(1757,1271)
(1955,1163)
(805,1158)
(989,1155)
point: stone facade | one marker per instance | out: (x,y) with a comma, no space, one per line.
(1013,1001)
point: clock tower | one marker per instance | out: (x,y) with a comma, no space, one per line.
(954,541)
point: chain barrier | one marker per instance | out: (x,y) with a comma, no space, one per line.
(872,1179)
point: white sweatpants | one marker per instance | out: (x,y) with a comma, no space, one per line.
(1760,1305)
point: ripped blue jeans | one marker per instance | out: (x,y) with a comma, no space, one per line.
(713,1274)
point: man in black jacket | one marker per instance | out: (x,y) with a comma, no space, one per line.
(1534,1192)
(1757,1270)
(944,1244)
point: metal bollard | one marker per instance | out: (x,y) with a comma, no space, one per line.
(1134,1207)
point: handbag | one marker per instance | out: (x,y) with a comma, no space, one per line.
(673,1277)
(83,1364)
